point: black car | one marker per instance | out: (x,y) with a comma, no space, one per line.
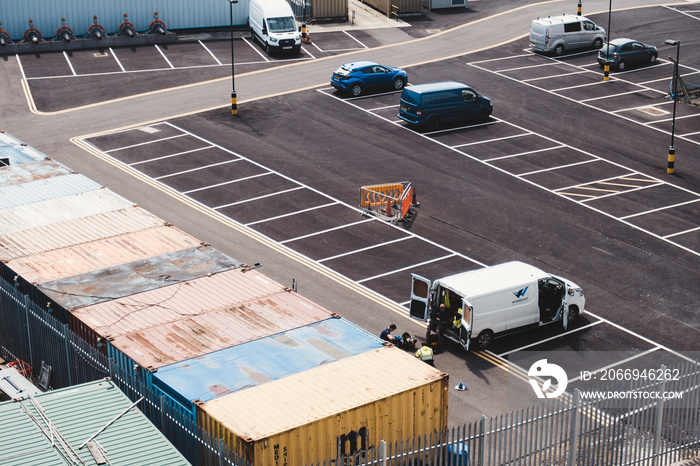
(621,53)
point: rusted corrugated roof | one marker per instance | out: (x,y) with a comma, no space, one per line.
(76,231)
(31,171)
(44,189)
(222,309)
(136,277)
(60,209)
(96,255)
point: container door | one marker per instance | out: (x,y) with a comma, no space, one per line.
(465,330)
(420,297)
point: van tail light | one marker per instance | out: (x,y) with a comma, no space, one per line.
(546,37)
(419,112)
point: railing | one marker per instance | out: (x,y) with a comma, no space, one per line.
(570,430)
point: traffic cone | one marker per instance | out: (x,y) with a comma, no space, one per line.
(388,212)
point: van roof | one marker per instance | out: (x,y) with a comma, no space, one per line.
(560,19)
(490,279)
(439,86)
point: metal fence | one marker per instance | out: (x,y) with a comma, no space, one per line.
(570,430)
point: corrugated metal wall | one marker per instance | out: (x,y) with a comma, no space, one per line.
(176,14)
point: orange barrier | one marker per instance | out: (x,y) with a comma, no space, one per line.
(394,201)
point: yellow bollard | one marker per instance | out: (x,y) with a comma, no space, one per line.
(579,9)
(671,159)
(234,104)
(606,73)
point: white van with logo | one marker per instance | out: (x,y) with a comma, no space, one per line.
(496,300)
(557,34)
(273,24)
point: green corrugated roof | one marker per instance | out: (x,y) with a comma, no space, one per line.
(77,413)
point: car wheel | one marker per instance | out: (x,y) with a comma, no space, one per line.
(559,50)
(356,90)
(482,116)
(621,66)
(398,84)
(598,43)
(432,123)
(652,59)
(484,339)
(573,313)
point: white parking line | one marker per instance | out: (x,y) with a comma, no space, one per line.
(162,54)
(530,152)
(154,141)
(355,39)
(253,199)
(328,230)
(224,183)
(539,342)
(114,55)
(403,269)
(203,167)
(289,214)
(558,167)
(169,156)
(672,206)
(488,141)
(70,65)
(210,52)
(368,248)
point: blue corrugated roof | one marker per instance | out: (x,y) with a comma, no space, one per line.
(260,361)
(45,189)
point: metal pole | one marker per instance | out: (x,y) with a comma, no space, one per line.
(606,71)
(659,419)
(672,148)
(234,104)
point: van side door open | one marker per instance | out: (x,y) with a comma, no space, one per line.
(420,298)
(465,329)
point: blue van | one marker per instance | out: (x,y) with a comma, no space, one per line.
(431,104)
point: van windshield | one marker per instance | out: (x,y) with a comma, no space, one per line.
(410,97)
(282,24)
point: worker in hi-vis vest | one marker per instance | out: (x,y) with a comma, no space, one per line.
(425,353)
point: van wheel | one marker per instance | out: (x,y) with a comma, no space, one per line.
(482,116)
(433,123)
(598,43)
(559,50)
(398,84)
(356,90)
(621,66)
(484,339)
(267,49)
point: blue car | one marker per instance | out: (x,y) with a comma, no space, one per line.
(357,77)
(621,53)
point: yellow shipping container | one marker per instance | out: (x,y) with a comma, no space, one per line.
(347,406)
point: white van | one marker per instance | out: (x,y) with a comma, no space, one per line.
(559,33)
(272,23)
(504,298)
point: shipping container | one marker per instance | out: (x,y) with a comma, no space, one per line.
(320,10)
(175,14)
(44,189)
(71,232)
(30,171)
(348,406)
(246,365)
(403,6)
(134,277)
(79,259)
(12,150)
(60,209)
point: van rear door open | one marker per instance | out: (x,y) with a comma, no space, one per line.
(420,297)
(465,329)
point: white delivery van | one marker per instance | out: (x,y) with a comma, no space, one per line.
(556,34)
(495,300)
(272,23)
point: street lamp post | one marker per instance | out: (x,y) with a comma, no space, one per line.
(234,104)
(672,148)
(606,70)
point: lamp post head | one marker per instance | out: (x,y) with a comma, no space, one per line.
(672,42)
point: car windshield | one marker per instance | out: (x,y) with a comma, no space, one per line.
(282,24)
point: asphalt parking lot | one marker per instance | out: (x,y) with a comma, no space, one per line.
(568,174)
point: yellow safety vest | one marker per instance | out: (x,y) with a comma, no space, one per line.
(425,353)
